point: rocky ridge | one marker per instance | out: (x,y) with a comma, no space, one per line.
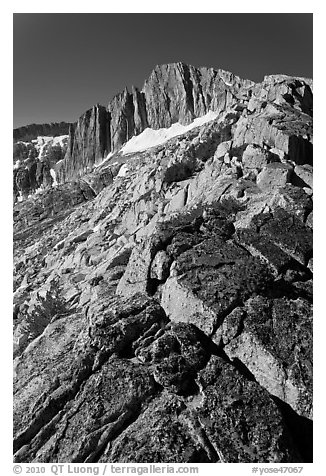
(163,299)
(32,131)
(34,164)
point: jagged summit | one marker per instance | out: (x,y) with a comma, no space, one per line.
(184,68)
(174,93)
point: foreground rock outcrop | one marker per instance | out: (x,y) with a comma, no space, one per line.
(163,297)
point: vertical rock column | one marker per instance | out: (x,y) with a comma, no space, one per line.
(89,142)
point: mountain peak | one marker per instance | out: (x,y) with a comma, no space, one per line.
(173,93)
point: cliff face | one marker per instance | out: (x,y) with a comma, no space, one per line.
(89,142)
(163,299)
(180,93)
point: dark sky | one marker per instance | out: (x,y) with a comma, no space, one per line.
(65,63)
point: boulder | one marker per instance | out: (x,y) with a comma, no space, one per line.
(160,266)
(274,175)
(304,174)
(255,157)
(106,405)
(115,324)
(222,149)
(232,405)
(135,278)
(157,436)
(293,200)
(290,234)
(265,249)
(178,201)
(210,281)
(275,345)
(278,128)
(182,305)
(176,357)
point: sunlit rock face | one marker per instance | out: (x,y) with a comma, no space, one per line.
(163,276)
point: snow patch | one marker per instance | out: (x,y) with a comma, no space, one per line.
(25,143)
(59,245)
(36,192)
(104,160)
(154,137)
(39,190)
(54,176)
(40,154)
(123,171)
(43,142)
(60,140)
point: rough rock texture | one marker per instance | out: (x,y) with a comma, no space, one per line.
(232,408)
(163,299)
(276,346)
(188,92)
(35,163)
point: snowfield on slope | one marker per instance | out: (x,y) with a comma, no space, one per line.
(42,140)
(154,137)
(54,177)
(110,154)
